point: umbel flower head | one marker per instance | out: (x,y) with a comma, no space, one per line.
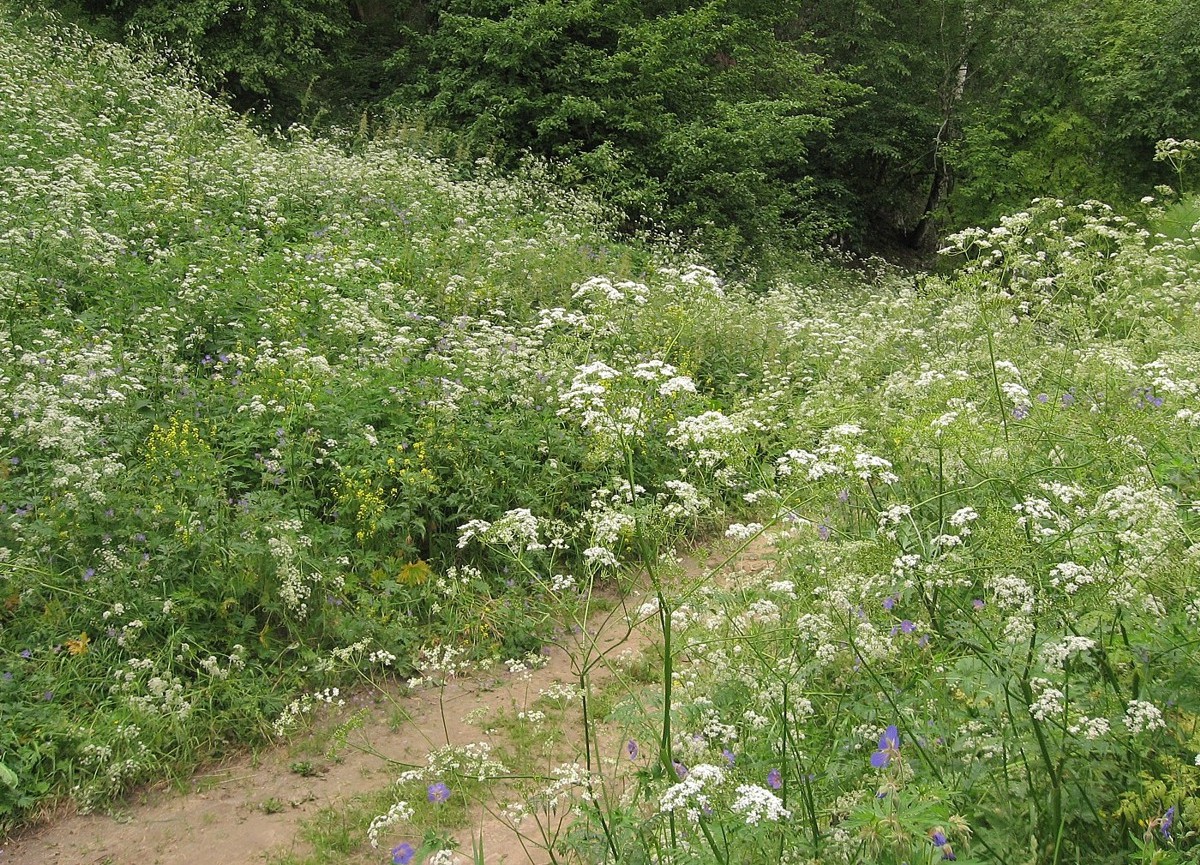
(889,747)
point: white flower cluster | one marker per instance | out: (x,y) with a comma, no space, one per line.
(1070,577)
(1145,520)
(743,532)
(1015,596)
(1050,702)
(116,765)
(438,664)
(1143,717)
(668,378)
(400,812)
(692,796)
(472,760)
(304,705)
(601,289)
(707,438)
(686,502)
(1039,517)
(962,519)
(757,804)
(610,527)
(571,781)
(761,611)
(237,661)
(296,578)
(889,519)
(1089,728)
(517,530)
(1056,652)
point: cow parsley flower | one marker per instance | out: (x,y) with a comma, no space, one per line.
(757,804)
(1141,716)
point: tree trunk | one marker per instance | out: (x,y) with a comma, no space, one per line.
(939,182)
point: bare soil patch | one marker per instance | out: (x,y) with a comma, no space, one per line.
(250,810)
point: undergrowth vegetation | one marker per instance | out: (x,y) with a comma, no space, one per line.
(284,412)
(254,387)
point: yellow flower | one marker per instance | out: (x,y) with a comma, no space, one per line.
(79,646)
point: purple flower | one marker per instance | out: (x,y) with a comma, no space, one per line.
(889,747)
(978,604)
(1164,825)
(88,574)
(48,696)
(402,854)
(907,627)
(631,748)
(729,756)
(1067,399)
(26,654)
(1020,412)
(823,532)
(938,836)
(774,779)
(681,771)
(438,792)
(889,602)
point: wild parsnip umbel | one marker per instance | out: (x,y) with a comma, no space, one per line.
(283,413)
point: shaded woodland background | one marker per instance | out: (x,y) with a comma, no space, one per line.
(748,126)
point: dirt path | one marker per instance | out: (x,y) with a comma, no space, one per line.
(250,810)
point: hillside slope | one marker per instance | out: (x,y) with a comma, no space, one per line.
(288,412)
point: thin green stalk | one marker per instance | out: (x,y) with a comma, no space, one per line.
(587,745)
(996,380)
(721,858)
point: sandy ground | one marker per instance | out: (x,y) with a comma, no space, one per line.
(250,809)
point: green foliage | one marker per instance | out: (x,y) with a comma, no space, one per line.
(288,61)
(749,129)
(977,641)
(1072,103)
(691,119)
(284,414)
(257,386)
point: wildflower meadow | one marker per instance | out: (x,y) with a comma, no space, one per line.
(286,416)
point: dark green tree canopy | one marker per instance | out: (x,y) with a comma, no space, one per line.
(750,126)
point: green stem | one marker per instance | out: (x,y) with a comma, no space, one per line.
(712,842)
(587,747)
(996,380)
